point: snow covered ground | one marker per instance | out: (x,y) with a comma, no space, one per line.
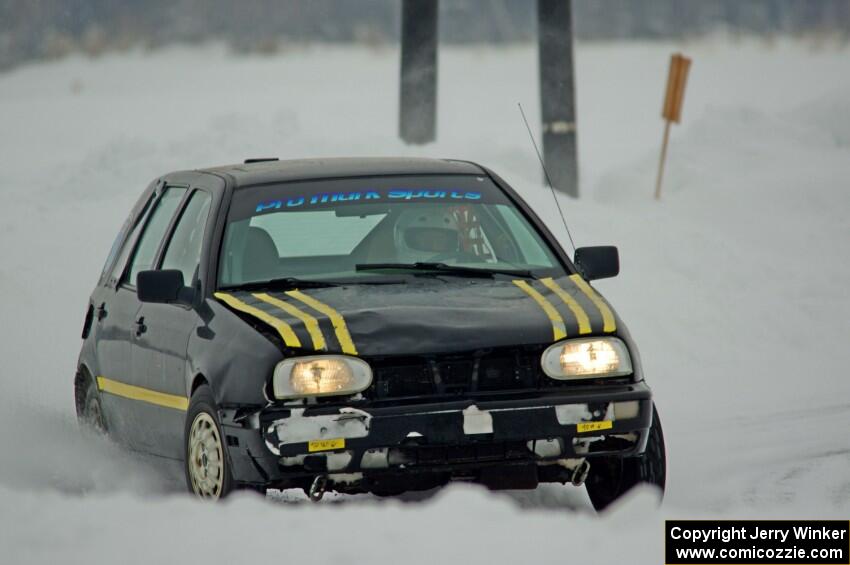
(735,285)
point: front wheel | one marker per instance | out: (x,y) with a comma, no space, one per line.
(611,477)
(206,464)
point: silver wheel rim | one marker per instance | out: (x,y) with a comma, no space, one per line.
(206,458)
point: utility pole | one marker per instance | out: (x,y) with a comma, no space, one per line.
(557,93)
(418,96)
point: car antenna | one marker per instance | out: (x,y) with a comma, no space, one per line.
(548,178)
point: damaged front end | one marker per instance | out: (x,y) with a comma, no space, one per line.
(506,439)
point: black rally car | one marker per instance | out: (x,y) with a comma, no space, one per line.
(362,325)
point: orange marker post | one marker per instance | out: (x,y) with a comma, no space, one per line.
(672,110)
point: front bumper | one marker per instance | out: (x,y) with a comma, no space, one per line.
(456,436)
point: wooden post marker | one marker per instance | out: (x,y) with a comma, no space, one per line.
(672,111)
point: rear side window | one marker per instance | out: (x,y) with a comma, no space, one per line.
(184,249)
(116,246)
(154,232)
(123,243)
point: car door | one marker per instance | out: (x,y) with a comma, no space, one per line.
(123,393)
(114,309)
(160,350)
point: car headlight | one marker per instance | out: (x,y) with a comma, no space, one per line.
(320,375)
(587,358)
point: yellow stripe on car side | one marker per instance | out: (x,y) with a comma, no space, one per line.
(558,328)
(336,318)
(284,329)
(575,307)
(311,323)
(609,325)
(143,394)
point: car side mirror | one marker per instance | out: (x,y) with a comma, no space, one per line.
(599,262)
(159,286)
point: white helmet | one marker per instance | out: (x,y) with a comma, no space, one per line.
(423,232)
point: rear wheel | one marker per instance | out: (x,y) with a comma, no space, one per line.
(610,478)
(206,463)
(89,409)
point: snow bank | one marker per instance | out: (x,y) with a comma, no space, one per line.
(734,285)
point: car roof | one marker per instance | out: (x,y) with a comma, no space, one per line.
(269,171)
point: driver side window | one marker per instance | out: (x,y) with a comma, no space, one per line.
(184,250)
(145,252)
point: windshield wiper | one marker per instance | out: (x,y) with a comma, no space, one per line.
(444,268)
(284,283)
(288,283)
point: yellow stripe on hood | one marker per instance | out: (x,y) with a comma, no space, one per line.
(336,318)
(607,316)
(575,307)
(310,322)
(284,329)
(559,329)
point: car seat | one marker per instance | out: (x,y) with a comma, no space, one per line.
(260,259)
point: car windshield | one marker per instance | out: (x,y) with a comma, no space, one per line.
(362,228)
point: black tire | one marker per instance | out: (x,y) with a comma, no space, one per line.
(89,409)
(610,478)
(206,463)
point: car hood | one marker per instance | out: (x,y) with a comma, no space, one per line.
(425,318)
